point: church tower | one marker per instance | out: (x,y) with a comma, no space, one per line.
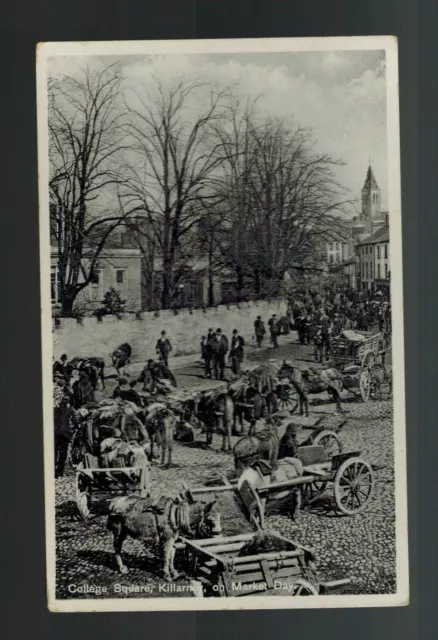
(370,201)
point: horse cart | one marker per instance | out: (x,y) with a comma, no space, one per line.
(350,476)
(107,461)
(257,563)
(360,360)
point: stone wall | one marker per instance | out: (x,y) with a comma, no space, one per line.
(93,338)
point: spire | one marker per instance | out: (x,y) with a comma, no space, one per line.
(370,181)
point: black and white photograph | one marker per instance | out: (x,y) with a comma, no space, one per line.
(222,324)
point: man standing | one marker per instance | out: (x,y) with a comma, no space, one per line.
(273,328)
(259,330)
(219,353)
(64,416)
(61,366)
(209,347)
(237,352)
(163,348)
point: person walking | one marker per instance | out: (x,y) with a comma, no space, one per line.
(164,348)
(259,330)
(237,352)
(273,328)
(219,353)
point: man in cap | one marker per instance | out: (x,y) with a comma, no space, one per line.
(219,353)
(274,329)
(163,348)
(209,346)
(259,330)
(237,352)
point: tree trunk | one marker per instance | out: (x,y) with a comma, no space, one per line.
(210,276)
(166,298)
(67,301)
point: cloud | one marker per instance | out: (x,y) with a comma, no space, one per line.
(339,95)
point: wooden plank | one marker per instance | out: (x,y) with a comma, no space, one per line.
(225,548)
(275,555)
(203,552)
(293,482)
(273,564)
(215,489)
(242,537)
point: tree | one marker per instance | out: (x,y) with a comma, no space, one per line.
(173,172)
(281,196)
(85,140)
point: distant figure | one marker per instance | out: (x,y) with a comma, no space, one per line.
(125,391)
(163,348)
(208,352)
(237,352)
(259,330)
(288,443)
(203,339)
(273,328)
(83,390)
(220,349)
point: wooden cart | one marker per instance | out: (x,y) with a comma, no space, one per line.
(356,361)
(351,477)
(104,484)
(225,568)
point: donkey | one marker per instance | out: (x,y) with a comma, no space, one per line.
(215,412)
(159,523)
(160,424)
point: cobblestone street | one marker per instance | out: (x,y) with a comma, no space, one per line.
(361,547)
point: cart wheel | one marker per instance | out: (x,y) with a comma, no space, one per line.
(353,486)
(330,441)
(287,398)
(303,587)
(83,495)
(368,359)
(365,384)
(312,491)
(75,453)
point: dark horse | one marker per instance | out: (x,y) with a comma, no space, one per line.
(251,405)
(312,382)
(248,449)
(215,411)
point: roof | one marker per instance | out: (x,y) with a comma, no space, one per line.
(381,235)
(370,180)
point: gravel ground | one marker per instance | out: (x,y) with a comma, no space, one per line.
(361,547)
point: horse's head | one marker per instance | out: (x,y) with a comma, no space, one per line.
(211,523)
(286,370)
(198,518)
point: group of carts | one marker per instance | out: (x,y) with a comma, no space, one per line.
(219,564)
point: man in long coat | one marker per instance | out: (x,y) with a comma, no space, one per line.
(219,353)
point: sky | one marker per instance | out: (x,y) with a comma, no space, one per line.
(340,95)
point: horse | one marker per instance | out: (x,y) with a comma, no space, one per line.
(121,357)
(160,424)
(312,382)
(264,445)
(161,523)
(215,411)
(94,367)
(249,405)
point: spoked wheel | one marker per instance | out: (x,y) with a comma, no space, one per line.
(365,383)
(287,397)
(75,451)
(353,486)
(369,358)
(312,491)
(330,441)
(83,495)
(303,587)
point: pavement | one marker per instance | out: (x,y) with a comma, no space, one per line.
(361,547)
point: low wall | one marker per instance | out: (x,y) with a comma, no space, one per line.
(94,338)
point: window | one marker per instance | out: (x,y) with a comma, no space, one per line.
(386,251)
(371,248)
(121,282)
(366,270)
(378,251)
(378,271)
(386,272)
(96,285)
(363,270)
(371,270)
(54,285)
(331,258)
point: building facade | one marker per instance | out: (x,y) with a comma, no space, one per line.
(117,267)
(361,261)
